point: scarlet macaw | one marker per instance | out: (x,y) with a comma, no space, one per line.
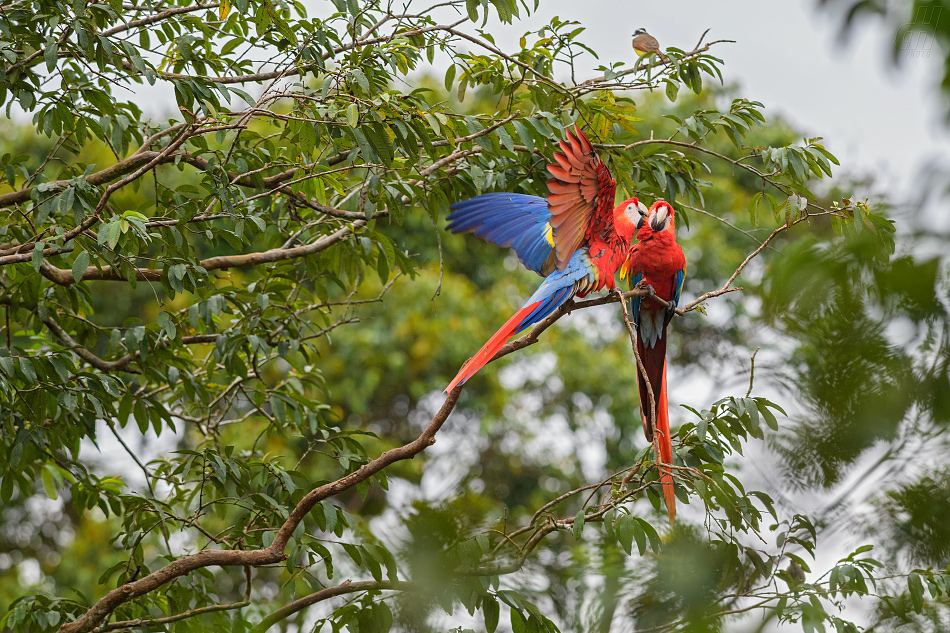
(659,263)
(575,237)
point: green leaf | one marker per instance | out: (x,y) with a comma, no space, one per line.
(518,624)
(490,610)
(754,208)
(655,542)
(450,77)
(579,524)
(767,414)
(79,265)
(50,53)
(27,368)
(505,138)
(114,232)
(695,79)
(671,90)
(624,530)
(641,537)
(361,79)
(352,115)
(48,484)
(37,256)
(916,589)
(524,135)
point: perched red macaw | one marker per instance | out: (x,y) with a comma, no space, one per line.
(658,262)
(576,237)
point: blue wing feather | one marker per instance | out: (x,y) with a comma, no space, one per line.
(509,219)
(560,286)
(677,291)
(635,301)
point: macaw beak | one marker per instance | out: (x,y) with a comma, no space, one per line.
(658,222)
(644,214)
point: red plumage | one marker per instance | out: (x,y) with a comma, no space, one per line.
(590,237)
(491,347)
(659,261)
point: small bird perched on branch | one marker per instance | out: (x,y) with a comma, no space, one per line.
(646,44)
(576,237)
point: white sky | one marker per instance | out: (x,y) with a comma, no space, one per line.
(877,118)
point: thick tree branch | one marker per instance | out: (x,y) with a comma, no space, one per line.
(178,617)
(224,262)
(85,354)
(176,569)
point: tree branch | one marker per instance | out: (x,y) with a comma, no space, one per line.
(178,617)
(324,594)
(275,553)
(223,262)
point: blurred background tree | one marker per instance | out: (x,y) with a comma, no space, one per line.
(225,332)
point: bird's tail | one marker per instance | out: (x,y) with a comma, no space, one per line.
(537,309)
(495,343)
(663,446)
(657,430)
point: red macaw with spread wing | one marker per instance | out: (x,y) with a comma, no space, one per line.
(575,237)
(658,262)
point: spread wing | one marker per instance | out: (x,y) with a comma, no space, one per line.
(509,219)
(581,196)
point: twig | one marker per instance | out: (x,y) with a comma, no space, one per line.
(752,371)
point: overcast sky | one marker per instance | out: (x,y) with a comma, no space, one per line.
(791,56)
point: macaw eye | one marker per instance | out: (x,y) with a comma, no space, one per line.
(634,214)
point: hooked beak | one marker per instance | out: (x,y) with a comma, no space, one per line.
(658,223)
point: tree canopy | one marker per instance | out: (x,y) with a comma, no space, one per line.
(226,333)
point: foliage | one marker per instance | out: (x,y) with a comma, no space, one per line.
(259,282)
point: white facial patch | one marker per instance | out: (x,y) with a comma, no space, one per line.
(634,213)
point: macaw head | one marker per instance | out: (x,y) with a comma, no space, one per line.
(661,217)
(629,216)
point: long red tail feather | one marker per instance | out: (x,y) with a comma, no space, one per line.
(664,448)
(489,349)
(658,431)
